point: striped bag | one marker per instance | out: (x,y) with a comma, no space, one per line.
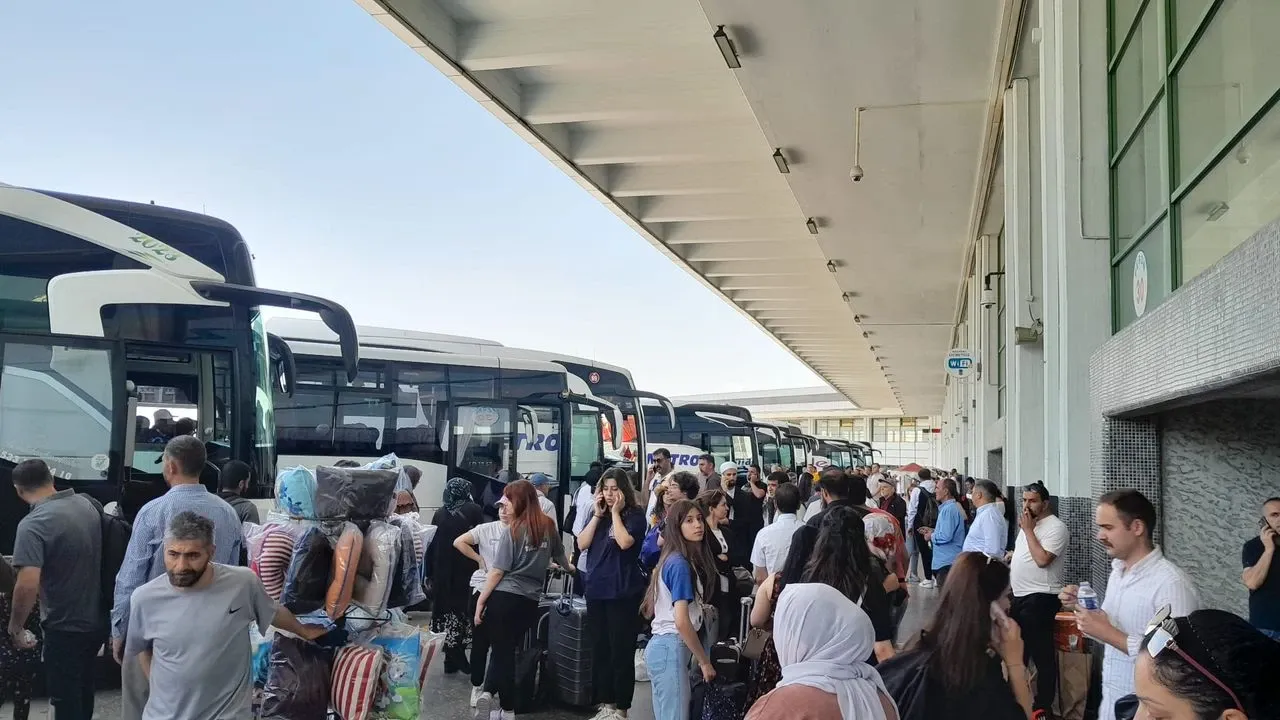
(355,681)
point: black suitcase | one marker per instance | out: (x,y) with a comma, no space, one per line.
(569,648)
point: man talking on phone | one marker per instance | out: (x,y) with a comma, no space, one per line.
(1261,572)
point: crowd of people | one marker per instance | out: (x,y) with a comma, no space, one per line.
(820,567)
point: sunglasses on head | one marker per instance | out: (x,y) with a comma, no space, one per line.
(1161,635)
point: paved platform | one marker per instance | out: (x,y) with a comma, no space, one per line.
(446,696)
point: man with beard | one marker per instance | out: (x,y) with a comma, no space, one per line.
(1035,576)
(188,629)
(1262,572)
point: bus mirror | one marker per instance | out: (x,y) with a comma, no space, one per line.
(334,315)
(282,361)
(530,418)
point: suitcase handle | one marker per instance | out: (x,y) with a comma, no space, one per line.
(744,628)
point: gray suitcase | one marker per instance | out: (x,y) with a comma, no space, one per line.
(569,649)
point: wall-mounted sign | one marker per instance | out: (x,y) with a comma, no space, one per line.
(1140,283)
(961,363)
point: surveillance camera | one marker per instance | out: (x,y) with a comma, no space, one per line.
(856,173)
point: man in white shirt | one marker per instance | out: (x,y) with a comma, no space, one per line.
(989,533)
(657,472)
(1142,583)
(1035,575)
(772,543)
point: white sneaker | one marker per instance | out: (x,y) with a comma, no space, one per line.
(927,584)
(485,707)
(504,715)
(476,692)
(496,714)
(605,713)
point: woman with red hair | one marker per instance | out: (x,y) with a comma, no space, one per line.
(509,598)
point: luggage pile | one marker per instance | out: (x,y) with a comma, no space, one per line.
(334,553)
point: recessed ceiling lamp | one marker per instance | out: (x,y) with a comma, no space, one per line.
(780,161)
(811,224)
(727,48)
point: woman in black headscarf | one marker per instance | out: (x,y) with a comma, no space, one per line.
(451,573)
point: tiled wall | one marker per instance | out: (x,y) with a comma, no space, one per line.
(1219,330)
(1220,461)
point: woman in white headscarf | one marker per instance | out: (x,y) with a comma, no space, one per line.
(823,640)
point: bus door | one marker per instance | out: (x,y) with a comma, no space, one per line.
(482,447)
(175,391)
(61,401)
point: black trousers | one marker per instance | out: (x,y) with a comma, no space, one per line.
(926,556)
(69,659)
(479,647)
(509,617)
(1035,617)
(941,575)
(613,626)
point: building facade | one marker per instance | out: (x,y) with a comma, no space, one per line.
(825,413)
(1124,302)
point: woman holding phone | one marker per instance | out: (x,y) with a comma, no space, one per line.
(967,663)
(613,589)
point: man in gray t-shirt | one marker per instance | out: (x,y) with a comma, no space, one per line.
(189,629)
(58,553)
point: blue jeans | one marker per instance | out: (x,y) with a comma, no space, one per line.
(1273,634)
(668,661)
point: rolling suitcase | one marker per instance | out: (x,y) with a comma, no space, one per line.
(569,648)
(724,698)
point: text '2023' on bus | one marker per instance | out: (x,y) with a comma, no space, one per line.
(121,322)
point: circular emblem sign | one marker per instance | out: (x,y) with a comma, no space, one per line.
(1140,283)
(594,378)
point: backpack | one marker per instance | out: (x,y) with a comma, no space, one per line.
(116,532)
(927,515)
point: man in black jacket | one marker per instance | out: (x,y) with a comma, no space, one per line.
(891,502)
(232,485)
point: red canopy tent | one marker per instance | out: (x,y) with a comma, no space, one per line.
(910,468)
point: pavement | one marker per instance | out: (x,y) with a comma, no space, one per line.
(446,697)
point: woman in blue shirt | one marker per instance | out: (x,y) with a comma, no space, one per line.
(686,571)
(613,589)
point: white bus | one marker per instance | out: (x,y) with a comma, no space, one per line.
(610,383)
(112,309)
(449,415)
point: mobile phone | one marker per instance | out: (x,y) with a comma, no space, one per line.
(998,615)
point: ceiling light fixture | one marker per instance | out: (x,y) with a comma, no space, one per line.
(845,297)
(811,224)
(781,161)
(727,48)
(856,174)
(831,266)
(858,319)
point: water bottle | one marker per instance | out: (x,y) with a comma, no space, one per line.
(1086,597)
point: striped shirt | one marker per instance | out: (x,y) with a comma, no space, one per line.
(1133,597)
(144,560)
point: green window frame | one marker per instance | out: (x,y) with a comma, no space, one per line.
(1155,128)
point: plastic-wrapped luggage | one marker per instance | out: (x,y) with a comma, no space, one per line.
(354,493)
(569,646)
(307,580)
(297,685)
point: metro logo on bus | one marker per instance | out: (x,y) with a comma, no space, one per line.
(152,249)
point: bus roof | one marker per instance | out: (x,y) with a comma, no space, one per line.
(329,349)
(127,228)
(373,336)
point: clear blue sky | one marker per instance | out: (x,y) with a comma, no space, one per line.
(357,172)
